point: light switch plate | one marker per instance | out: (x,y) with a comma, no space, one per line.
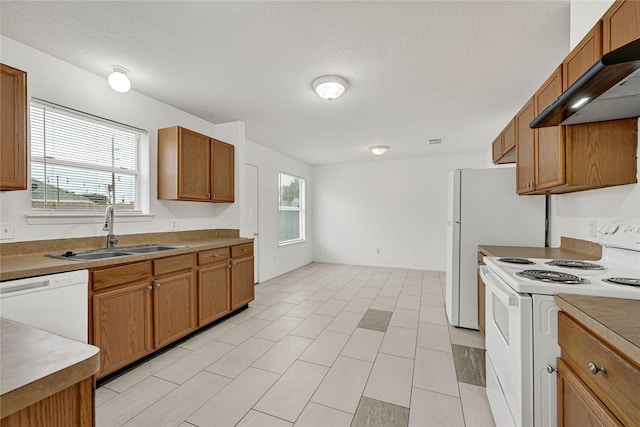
(6,230)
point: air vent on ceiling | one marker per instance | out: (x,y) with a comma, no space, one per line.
(435,141)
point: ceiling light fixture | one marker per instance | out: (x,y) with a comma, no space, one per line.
(329,87)
(118,79)
(379,150)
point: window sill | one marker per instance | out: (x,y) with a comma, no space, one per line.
(291,242)
(44,218)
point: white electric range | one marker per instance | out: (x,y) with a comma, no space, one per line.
(522,318)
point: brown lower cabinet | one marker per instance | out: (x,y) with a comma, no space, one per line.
(140,307)
(597,386)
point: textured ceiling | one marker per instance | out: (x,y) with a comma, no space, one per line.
(417,70)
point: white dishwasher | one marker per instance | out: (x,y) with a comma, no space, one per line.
(56,303)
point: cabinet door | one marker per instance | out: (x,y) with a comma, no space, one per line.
(577,405)
(583,56)
(525,149)
(194,166)
(509,137)
(242,285)
(173,303)
(13,128)
(221,171)
(122,325)
(496,148)
(550,143)
(213,293)
(621,24)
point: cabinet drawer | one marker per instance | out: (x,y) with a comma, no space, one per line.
(618,387)
(171,264)
(242,250)
(120,275)
(213,256)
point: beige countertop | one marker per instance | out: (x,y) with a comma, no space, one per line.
(569,249)
(29,259)
(36,364)
(616,321)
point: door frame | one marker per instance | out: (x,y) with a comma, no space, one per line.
(256,236)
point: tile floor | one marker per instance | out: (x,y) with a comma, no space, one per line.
(324,345)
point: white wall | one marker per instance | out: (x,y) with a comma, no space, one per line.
(62,83)
(396,206)
(273,259)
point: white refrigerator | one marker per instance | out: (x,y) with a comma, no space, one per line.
(484,209)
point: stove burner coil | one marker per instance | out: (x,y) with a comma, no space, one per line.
(581,265)
(516,260)
(552,277)
(629,281)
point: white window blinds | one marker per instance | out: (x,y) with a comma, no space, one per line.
(81,162)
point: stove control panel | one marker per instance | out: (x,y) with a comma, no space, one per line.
(621,233)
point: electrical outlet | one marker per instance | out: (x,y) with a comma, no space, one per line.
(174,225)
(6,230)
(593,226)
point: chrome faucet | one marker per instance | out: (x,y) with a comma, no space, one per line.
(108,226)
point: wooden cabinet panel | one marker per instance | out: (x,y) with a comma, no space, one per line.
(496,148)
(509,137)
(242,284)
(620,24)
(213,293)
(13,128)
(194,167)
(72,406)
(245,249)
(121,275)
(172,264)
(617,387)
(122,325)
(213,256)
(222,171)
(173,304)
(583,56)
(525,149)
(577,405)
(550,154)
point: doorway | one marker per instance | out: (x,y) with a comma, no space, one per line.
(251,214)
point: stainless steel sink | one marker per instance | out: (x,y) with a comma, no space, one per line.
(99,254)
(151,248)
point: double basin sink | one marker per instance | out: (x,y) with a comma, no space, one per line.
(99,254)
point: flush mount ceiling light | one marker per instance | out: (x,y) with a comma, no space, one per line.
(118,79)
(329,87)
(379,150)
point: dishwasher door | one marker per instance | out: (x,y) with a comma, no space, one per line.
(56,303)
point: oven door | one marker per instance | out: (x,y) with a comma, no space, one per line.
(509,351)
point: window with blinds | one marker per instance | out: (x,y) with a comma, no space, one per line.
(82,163)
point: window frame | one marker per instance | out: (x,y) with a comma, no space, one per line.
(140,209)
(301,209)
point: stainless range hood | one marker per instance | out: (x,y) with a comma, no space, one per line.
(609,90)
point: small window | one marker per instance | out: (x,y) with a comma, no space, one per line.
(82,163)
(291,209)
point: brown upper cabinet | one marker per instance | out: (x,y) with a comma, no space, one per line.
(194,167)
(13,128)
(563,159)
(525,149)
(503,147)
(583,56)
(620,24)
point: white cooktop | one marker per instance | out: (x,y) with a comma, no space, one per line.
(595,286)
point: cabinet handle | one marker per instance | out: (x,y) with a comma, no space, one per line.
(157,285)
(244,249)
(216,255)
(551,369)
(208,195)
(149,287)
(234,263)
(594,369)
(229,265)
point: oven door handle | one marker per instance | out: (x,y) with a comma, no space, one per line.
(503,293)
